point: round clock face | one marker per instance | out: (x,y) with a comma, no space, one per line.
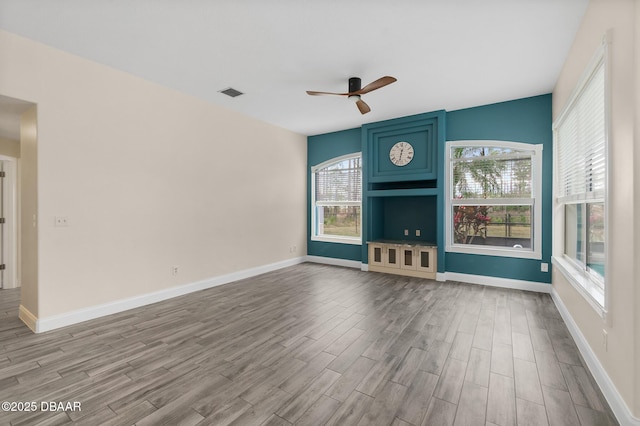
(401,153)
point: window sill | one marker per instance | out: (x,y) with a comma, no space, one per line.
(494,251)
(339,240)
(582,284)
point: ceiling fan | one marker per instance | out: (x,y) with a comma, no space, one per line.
(355,90)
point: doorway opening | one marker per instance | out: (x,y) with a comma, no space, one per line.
(11,128)
(8,222)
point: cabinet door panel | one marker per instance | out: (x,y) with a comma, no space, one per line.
(392,259)
(408,259)
(426,259)
(376,254)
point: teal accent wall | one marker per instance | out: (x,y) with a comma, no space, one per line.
(321,148)
(524,120)
(413,198)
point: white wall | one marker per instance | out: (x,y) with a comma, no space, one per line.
(148,178)
(620,360)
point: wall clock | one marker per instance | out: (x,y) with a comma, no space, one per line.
(401,153)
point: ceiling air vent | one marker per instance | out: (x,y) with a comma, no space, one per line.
(231,92)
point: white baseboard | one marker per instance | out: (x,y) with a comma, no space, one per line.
(618,406)
(448,276)
(40,325)
(496,282)
(336,262)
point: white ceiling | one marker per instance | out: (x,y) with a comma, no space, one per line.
(445,54)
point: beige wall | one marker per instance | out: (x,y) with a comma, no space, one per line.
(28,191)
(636,187)
(9,147)
(148,178)
(620,360)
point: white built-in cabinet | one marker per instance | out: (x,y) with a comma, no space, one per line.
(403,258)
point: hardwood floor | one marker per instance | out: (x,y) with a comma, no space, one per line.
(308,345)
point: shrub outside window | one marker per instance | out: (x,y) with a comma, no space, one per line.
(493,202)
(337,200)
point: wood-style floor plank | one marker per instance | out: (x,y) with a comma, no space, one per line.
(310,344)
(440,412)
(416,401)
(472,408)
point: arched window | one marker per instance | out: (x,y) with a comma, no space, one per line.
(336,188)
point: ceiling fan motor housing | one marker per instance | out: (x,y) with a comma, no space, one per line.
(355,84)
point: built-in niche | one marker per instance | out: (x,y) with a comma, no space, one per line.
(402,199)
(394,215)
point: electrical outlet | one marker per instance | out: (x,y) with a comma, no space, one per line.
(544,267)
(174,270)
(417,232)
(61,221)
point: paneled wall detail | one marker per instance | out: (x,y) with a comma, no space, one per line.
(420,131)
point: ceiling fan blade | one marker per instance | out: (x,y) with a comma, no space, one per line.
(381,82)
(362,106)
(313,93)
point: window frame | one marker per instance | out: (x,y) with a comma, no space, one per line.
(590,285)
(535,201)
(334,238)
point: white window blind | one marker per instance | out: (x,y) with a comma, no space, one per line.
(580,144)
(491,173)
(336,187)
(580,157)
(339,183)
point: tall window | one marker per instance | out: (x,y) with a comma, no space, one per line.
(580,140)
(337,200)
(494,204)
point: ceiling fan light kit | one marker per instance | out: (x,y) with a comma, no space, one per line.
(356,89)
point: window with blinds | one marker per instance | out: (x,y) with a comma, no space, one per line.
(337,200)
(580,144)
(493,203)
(490,172)
(339,182)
